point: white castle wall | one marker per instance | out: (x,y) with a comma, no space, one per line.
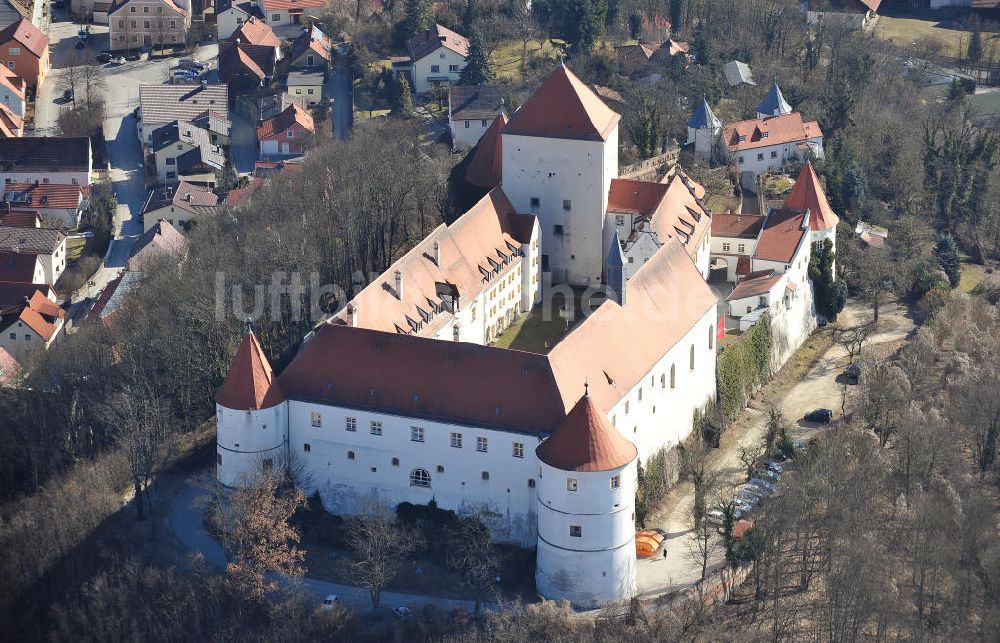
(247,440)
(558,170)
(599,565)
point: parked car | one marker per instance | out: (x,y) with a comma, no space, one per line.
(67,95)
(766,485)
(751,492)
(767,474)
(773,466)
(715,517)
(746,500)
(104,56)
(191,62)
(820,416)
(117,60)
(330,602)
(402,612)
(181,72)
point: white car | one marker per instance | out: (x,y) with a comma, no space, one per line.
(330,601)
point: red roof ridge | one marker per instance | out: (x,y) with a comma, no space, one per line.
(250,384)
(485,169)
(808,194)
(585,440)
(564,107)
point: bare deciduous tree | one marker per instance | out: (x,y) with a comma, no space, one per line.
(379,543)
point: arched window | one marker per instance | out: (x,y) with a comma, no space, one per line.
(307,447)
(673,376)
(395,462)
(711,335)
(692,357)
(454,332)
(420,478)
(663,381)
(486,475)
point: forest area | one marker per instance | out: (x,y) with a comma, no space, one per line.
(890,530)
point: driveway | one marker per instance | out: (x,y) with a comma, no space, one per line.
(818,388)
(342,91)
(184,521)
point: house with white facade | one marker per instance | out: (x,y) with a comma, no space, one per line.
(400,394)
(230,16)
(30,326)
(437,57)
(858,14)
(471,111)
(47,245)
(66,161)
(284,13)
(60,205)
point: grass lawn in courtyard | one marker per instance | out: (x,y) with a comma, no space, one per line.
(533,333)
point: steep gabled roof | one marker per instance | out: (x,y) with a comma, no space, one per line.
(783,232)
(18,266)
(162,239)
(278,124)
(255,32)
(475,102)
(773,130)
(586,441)
(27,35)
(807,194)
(564,107)
(14,83)
(704,117)
(774,103)
(755,284)
(250,384)
(429,40)
(486,168)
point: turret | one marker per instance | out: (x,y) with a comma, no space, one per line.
(703,130)
(614,271)
(586,510)
(251,414)
(774,103)
(808,194)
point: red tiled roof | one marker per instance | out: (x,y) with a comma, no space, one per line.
(13,82)
(38,313)
(563,107)
(16,292)
(586,441)
(755,284)
(292,5)
(11,125)
(437,36)
(48,195)
(234,57)
(486,167)
(672,208)
(281,122)
(773,130)
(746,226)
(9,368)
(238,196)
(782,233)
(807,194)
(18,266)
(162,239)
(634,58)
(27,35)
(250,384)
(255,32)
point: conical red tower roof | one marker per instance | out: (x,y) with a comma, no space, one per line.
(808,195)
(486,167)
(250,384)
(586,441)
(564,107)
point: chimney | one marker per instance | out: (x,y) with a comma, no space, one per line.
(443,39)
(187,196)
(351,315)
(437,254)
(399,285)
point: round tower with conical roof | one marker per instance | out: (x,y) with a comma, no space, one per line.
(251,414)
(586,510)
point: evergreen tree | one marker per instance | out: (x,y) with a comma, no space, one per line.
(831,294)
(635,26)
(477,67)
(946,252)
(402,103)
(701,47)
(469,15)
(975,50)
(676,15)
(611,13)
(419,17)
(582,23)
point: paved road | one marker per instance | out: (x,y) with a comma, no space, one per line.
(184,520)
(818,388)
(243,143)
(343,101)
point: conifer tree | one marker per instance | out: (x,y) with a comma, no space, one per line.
(470,15)
(403,101)
(418,17)
(477,67)
(947,255)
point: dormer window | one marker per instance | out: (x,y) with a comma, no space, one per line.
(743,138)
(763,135)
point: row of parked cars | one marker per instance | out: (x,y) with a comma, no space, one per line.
(763,483)
(187,70)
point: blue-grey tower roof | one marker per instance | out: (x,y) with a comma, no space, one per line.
(614,271)
(703,118)
(774,104)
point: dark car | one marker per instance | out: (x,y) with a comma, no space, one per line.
(80,44)
(104,56)
(820,416)
(68,95)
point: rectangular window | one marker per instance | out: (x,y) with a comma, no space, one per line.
(145,24)
(567,205)
(14,51)
(571,484)
(482,444)
(171,175)
(518,450)
(741,248)
(173,24)
(456,440)
(535,202)
(435,69)
(774,154)
(576,531)
(376,427)
(466,124)
(453,69)
(615,482)
(307,447)
(485,123)
(416,434)
(171,161)
(351,424)
(741,158)
(310,90)
(145,9)
(557,230)
(760,157)
(275,17)
(316,419)
(619,220)
(726,247)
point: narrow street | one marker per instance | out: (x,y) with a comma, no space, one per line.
(342,91)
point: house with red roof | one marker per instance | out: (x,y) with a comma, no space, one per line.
(437,57)
(24,50)
(60,204)
(230,15)
(11,125)
(12,91)
(283,13)
(286,134)
(133,24)
(30,326)
(808,194)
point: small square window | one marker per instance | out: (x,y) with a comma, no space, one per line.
(453,69)
(482,445)
(575,531)
(375,427)
(395,462)
(351,424)
(535,202)
(557,230)
(616,482)
(571,484)
(485,475)
(466,124)
(760,157)
(774,154)
(440,468)
(456,440)
(619,220)
(416,434)
(531,483)
(350,455)
(315,419)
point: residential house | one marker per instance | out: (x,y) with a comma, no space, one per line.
(217,124)
(854,13)
(12,88)
(178,206)
(59,204)
(21,267)
(485,170)
(47,244)
(306,87)
(12,293)
(110,303)
(437,57)
(286,133)
(734,241)
(471,111)
(245,68)
(161,105)
(133,24)
(873,235)
(311,51)
(24,50)
(185,152)
(160,240)
(634,60)
(11,125)
(256,32)
(737,73)
(30,326)
(230,16)
(46,160)
(282,13)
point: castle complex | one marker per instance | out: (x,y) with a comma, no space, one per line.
(400,395)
